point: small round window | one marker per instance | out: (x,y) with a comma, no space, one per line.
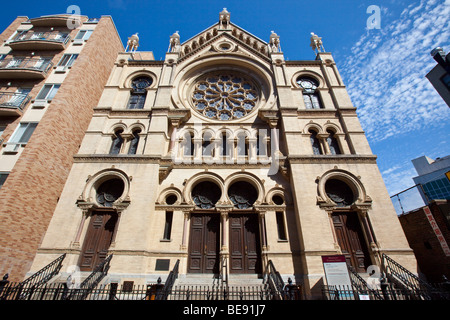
(339,192)
(109,191)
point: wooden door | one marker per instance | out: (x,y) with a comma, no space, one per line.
(245,249)
(98,239)
(204,244)
(351,240)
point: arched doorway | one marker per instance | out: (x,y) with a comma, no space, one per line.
(102,225)
(245,246)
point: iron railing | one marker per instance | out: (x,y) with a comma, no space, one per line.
(274,280)
(14,100)
(401,276)
(167,289)
(91,281)
(37,64)
(54,36)
(361,285)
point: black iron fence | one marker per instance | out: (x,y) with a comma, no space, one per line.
(385,292)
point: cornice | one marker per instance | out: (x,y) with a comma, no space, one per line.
(119,158)
(342,158)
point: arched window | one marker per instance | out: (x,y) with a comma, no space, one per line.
(224,147)
(339,192)
(207,145)
(188,144)
(333,143)
(139,92)
(117,142)
(134,142)
(242,194)
(315,142)
(310,93)
(242,145)
(109,191)
(206,194)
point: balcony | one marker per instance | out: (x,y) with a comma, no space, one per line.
(12,104)
(28,68)
(28,40)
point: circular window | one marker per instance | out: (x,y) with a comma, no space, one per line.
(339,192)
(140,83)
(242,194)
(225,96)
(109,191)
(278,200)
(171,199)
(308,84)
(206,194)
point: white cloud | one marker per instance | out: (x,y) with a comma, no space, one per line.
(385,74)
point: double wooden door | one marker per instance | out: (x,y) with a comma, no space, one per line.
(351,240)
(245,248)
(98,239)
(204,244)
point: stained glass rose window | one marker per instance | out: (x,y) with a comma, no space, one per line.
(225,96)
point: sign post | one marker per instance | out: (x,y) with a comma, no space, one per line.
(336,274)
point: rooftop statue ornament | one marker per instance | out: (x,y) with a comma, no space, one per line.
(274,43)
(133,43)
(224,19)
(316,43)
(175,43)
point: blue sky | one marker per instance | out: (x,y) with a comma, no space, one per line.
(384,69)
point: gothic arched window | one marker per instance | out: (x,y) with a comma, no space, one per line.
(206,194)
(242,194)
(339,192)
(109,191)
(139,92)
(310,93)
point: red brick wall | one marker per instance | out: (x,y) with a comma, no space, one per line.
(432,260)
(30,194)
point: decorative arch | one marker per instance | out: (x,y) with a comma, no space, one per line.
(139,73)
(361,199)
(89,193)
(247,177)
(201,177)
(164,194)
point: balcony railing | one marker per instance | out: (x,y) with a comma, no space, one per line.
(51,40)
(13,103)
(36,68)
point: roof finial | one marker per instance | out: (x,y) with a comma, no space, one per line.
(316,43)
(174,45)
(224,19)
(274,43)
(133,43)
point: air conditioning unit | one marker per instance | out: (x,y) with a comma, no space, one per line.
(78,42)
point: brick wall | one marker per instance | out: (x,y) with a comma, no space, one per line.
(29,197)
(429,254)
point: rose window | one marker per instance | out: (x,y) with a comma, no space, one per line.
(225,96)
